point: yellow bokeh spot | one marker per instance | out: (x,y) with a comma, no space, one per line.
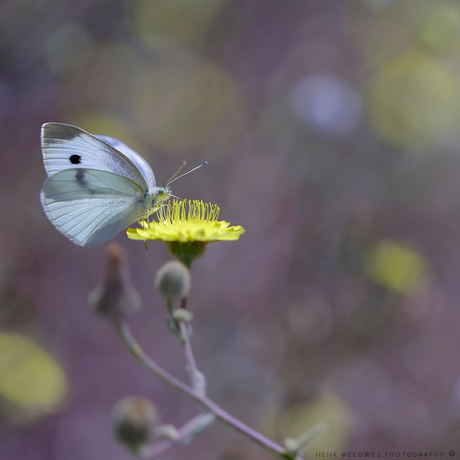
(29,377)
(327,408)
(110,79)
(182,107)
(99,122)
(414,99)
(68,48)
(397,267)
(380,32)
(183,21)
(439,27)
(382,29)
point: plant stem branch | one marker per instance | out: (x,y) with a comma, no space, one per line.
(135,349)
(190,429)
(155,450)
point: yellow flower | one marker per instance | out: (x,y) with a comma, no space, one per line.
(198,224)
(187,230)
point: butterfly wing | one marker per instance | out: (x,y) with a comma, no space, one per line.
(139,162)
(91,206)
(68,147)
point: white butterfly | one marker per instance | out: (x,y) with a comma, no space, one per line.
(96,186)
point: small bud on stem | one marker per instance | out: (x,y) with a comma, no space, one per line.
(134,419)
(173,281)
(115,296)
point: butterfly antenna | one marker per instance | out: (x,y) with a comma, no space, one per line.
(188,172)
(177,172)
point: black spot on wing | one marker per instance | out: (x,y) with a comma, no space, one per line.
(75,159)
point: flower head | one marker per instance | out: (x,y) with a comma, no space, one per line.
(187,226)
(176,223)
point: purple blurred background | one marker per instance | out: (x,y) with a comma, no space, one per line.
(331,129)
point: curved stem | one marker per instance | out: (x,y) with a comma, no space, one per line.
(155,450)
(128,339)
(135,349)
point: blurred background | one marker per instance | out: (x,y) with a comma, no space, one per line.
(332,134)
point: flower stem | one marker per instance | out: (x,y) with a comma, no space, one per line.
(135,349)
(191,363)
(196,377)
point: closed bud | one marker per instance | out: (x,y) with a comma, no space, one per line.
(134,420)
(115,296)
(173,281)
(182,316)
(291,445)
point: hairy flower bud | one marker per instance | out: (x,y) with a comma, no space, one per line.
(173,281)
(115,296)
(187,252)
(134,420)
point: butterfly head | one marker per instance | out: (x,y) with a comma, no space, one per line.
(161,194)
